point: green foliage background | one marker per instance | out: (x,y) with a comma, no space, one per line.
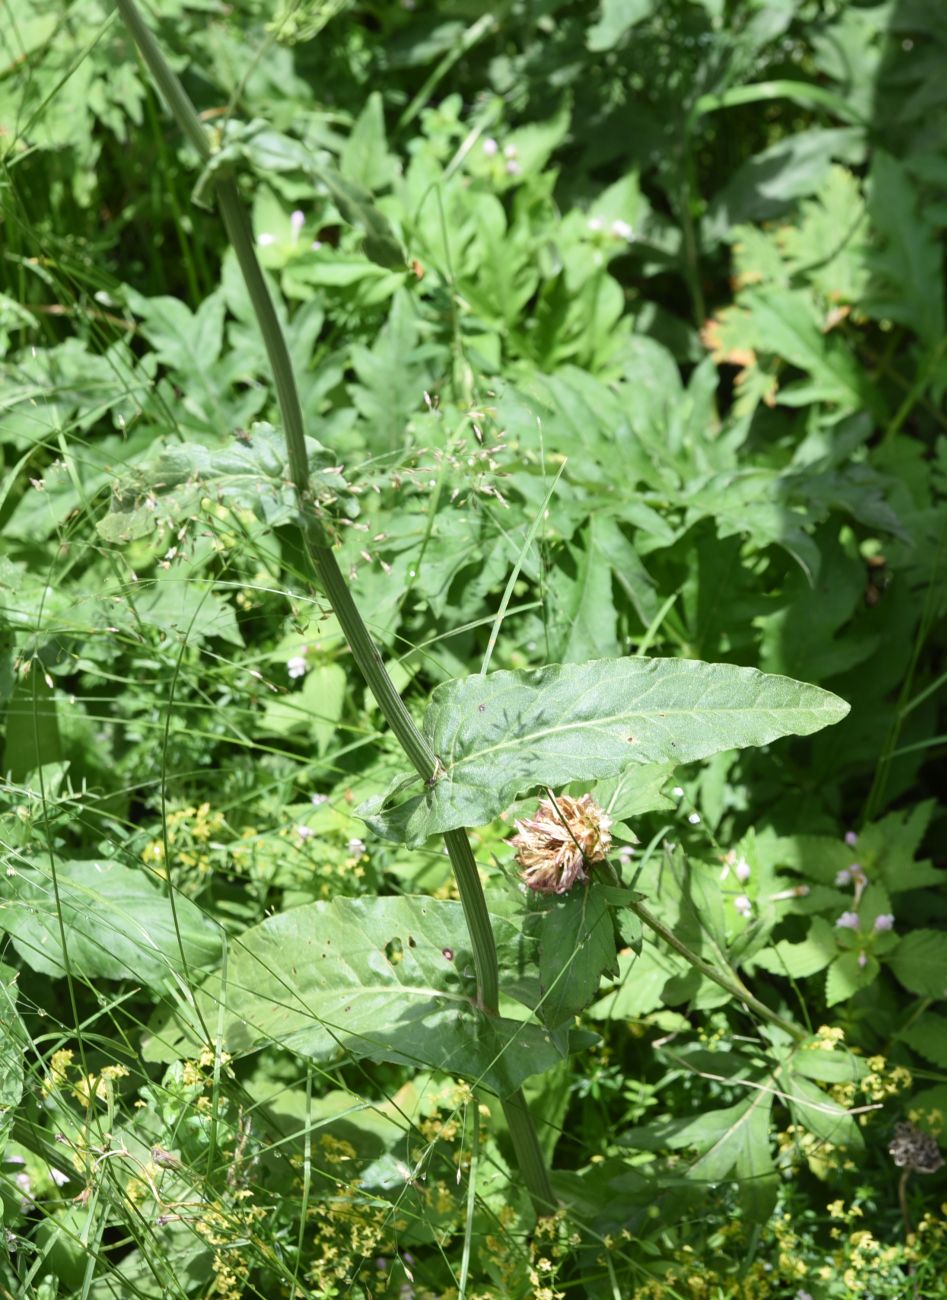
(620,331)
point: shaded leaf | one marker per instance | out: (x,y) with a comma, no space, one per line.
(576,947)
(920,963)
(117,924)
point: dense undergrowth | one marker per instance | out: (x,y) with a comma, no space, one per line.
(619,332)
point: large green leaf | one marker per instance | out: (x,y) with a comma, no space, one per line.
(505,733)
(387,978)
(116,922)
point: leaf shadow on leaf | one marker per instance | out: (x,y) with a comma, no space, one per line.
(385,978)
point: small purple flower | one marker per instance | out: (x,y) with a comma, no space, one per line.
(862,959)
(743,905)
(884,922)
(297,220)
(742,870)
(513,168)
(851,839)
(843,877)
(490,146)
(847,921)
(318,799)
(305,832)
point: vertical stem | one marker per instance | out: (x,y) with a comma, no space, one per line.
(318,545)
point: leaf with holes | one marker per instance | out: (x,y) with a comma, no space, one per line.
(503,734)
(390,979)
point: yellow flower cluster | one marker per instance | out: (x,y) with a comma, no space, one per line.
(190,836)
(85,1088)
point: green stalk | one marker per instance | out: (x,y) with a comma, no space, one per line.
(726,979)
(318,546)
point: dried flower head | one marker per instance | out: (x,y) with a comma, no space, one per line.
(913,1149)
(554,847)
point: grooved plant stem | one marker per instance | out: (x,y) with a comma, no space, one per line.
(726,979)
(322,557)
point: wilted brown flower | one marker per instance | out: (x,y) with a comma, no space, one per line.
(554,847)
(914,1150)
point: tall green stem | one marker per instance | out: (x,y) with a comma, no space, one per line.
(322,557)
(726,979)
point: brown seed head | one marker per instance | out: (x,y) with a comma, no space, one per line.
(554,847)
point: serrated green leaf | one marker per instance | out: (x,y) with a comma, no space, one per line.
(798,960)
(848,975)
(503,734)
(118,925)
(928,1037)
(818,1113)
(641,980)
(836,1066)
(920,963)
(743,1145)
(576,947)
(386,978)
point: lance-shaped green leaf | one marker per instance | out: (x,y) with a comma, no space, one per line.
(391,979)
(500,735)
(118,925)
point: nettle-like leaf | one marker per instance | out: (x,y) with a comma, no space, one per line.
(576,947)
(250,474)
(386,978)
(920,963)
(503,734)
(118,925)
(732,1141)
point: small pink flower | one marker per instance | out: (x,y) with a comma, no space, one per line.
(742,870)
(490,146)
(843,877)
(743,905)
(862,959)
(297,220)
(847,921)
(884,922)
(305,832)
(554,847)
(851,839)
